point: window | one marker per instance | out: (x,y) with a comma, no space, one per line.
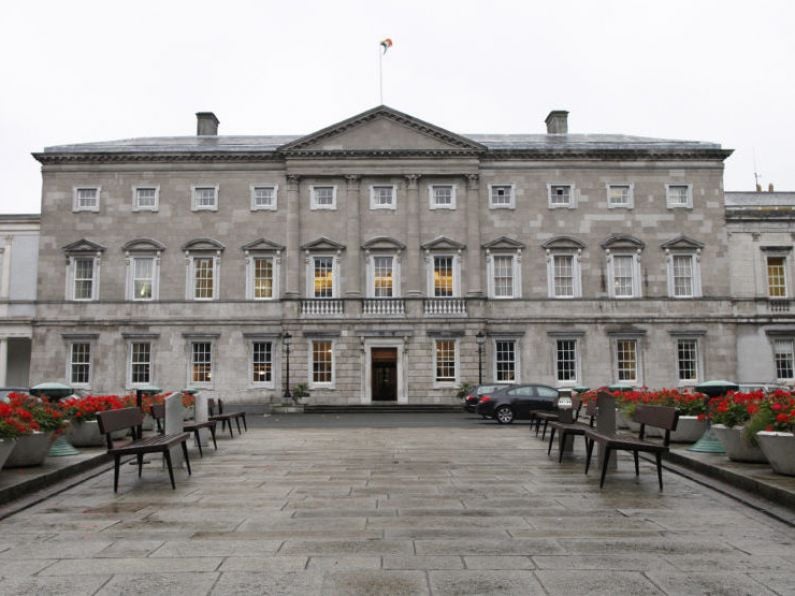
(146,198)
(84,278)
(687,363)
(683,281)
(501,196)
(561,195)
(263,198)
(86,198)
(563,276)
(785,359)
(626,358)
(678,195)
(262,363)
(140,363)
(776,277)
(323,277)
(442,196)
(505,361)
(323,197)
(262,281)
(445,361)
(383,277)
(205,198)
(143,278)
(201,362)
(203,278)
(322,372)
(382,197)
(566,361)
(443,282)
(79,365)
(624,276)
(620,195)
(503,276)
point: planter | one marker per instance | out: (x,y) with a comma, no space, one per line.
(621,421)
(779,448)
(85,433)
(738,448)
(30,450)
(689,429)
(6,447)
(189,413)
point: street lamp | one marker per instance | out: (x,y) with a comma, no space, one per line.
(286,339)
(481,339)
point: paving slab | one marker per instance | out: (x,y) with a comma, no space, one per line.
(461,583)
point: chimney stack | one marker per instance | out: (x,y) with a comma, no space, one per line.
(770,187)
(206,124)
(557,122)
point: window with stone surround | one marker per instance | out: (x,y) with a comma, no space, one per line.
(263,198)
(323,197)
(204,198)
(262,272)
(776,268)
(784,355)
(627,360)
(567,362)
(442,196)
(201,363)
(501,196)
(321,373)
(561,196)
(139,370)
(687,360)
(679,196)
(86,198)
(84,272)
(445,362)
(506,360)
(620,196)
(382,196)
(444,276)
(79,363)
(146,198)
(262,363)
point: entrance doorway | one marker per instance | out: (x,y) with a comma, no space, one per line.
(384,374)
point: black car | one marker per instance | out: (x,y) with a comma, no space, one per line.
(517,401)
(473,395)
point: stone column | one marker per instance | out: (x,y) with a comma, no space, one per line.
(3,361)
(293,259)
(352,271)
(471,200)
(414,274)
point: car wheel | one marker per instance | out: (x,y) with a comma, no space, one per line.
(504,415)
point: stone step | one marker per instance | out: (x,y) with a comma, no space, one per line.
(391,408)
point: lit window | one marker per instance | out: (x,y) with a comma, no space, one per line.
(445,360)
(561,195)
(145,198)
(619,195)
(262,362)
(566,360)
(382,197)
(323,277)
(140,362)
(785,359)
(626,360)
(678,195)
(442,196)
(776,277)
(205,198)
(323,197)
(503,276)
(687,360)
(263,278)
(86,199)
(443,277)
(79,364)
(203,278)
(501,197)
(322,362)
(143,275)
(383,277)
(201,362)
(505,361)
(263,198)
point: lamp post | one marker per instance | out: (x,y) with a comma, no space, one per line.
(481,339)
(286,339)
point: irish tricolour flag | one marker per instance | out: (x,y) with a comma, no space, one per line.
(386,44)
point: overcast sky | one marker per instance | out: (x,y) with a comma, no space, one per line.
(80,71)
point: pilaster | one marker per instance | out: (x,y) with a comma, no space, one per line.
(353,288)
(471,200)
(293,257)
(414,276)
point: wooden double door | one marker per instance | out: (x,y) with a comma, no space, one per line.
(384,374)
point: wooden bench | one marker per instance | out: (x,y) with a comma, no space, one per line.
(226,417)
(658,416)
(113,420)
(571,429)
(159,413)
(546,416)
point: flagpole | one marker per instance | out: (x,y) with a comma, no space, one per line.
(381,75)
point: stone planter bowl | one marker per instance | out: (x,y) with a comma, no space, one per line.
(779,448)
(6,447)
(737,447)
(85,433)
(30,450)
(689,429)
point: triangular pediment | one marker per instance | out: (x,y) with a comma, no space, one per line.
(202,244)
(383,243)
(682,243)
(382,130)
(443,243)
(143,245)
(323,243)
(503,243)
(262,245)
(83,246)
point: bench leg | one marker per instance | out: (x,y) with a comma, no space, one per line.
(212,433)
(637,464)
(237,421)
(116,464)
(140,457)
(245,426)
(561,444)
(538,425)
(588,452)
(544,434)
(659,468)
(185,453)
(551,438)
(231,432)
(198,441)
(604,466)
(167,455)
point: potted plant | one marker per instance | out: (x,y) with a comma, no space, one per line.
(82,414)
(773,427)
(464,389)
(14,423)
(692,413)
(300,393)
(188,405)
(44,419)
(729,413)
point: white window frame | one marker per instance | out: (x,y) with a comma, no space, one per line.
(638,380)
(136,206)
(572,204)
(517,359)
(668,196)
(430,260)
(576,273)
(310,276)
(310,359)
(511,197)
(274,352)
(371,276)
(391,205)
(191,281)
(577,361)
(785,266)
(71,283)
(695,261)
(698,360)
(195,197)
(69,362)
(432,204)
(314,205)
(791,343)
(76,202)
(202,384)
(437,384)
(130,344)
(630,203)
(251,270)
(636,279)
(131,277)
(253,190)
(516,275)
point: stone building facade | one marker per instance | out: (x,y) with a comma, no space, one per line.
(383,245)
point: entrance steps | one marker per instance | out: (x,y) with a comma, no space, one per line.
(391,408)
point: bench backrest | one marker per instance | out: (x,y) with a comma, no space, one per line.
(123,418)
(159,414)
(590,411)
(211,406)
(663,417)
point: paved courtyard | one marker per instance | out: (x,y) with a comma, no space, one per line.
(464,508)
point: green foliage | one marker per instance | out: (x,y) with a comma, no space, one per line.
(464,389)
(300,390)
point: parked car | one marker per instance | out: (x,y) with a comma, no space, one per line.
(473,396)
(517,401)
